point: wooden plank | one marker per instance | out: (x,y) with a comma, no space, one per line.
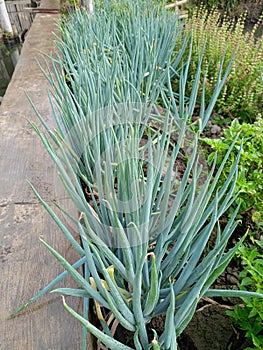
(18,17)
(41,10)
(21,2)
(178,6)
(25,265)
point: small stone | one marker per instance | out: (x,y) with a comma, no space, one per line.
(215,129)
(232,279)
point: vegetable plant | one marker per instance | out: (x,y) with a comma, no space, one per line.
(250,177)
(250,316)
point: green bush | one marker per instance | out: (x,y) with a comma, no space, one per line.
(250,177)
(242,96)
(250,317)
(231,6)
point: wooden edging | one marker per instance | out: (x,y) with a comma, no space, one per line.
(178,6)
(25,265)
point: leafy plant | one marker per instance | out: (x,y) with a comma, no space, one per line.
(250,177)
(242,94)
(144,226)
(250,317)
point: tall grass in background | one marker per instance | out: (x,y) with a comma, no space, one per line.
(242,95)
(144,226)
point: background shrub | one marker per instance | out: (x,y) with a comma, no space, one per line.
(242,94)
(250,316)
(233,7)
(250,176)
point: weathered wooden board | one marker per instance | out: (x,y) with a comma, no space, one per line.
(25,265)
(19,18)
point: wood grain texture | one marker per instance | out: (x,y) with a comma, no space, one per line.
(25,265)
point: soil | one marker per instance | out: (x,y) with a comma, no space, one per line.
(212,328)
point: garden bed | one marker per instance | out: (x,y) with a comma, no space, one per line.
(154,223)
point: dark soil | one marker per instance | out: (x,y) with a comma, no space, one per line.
(211,328)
